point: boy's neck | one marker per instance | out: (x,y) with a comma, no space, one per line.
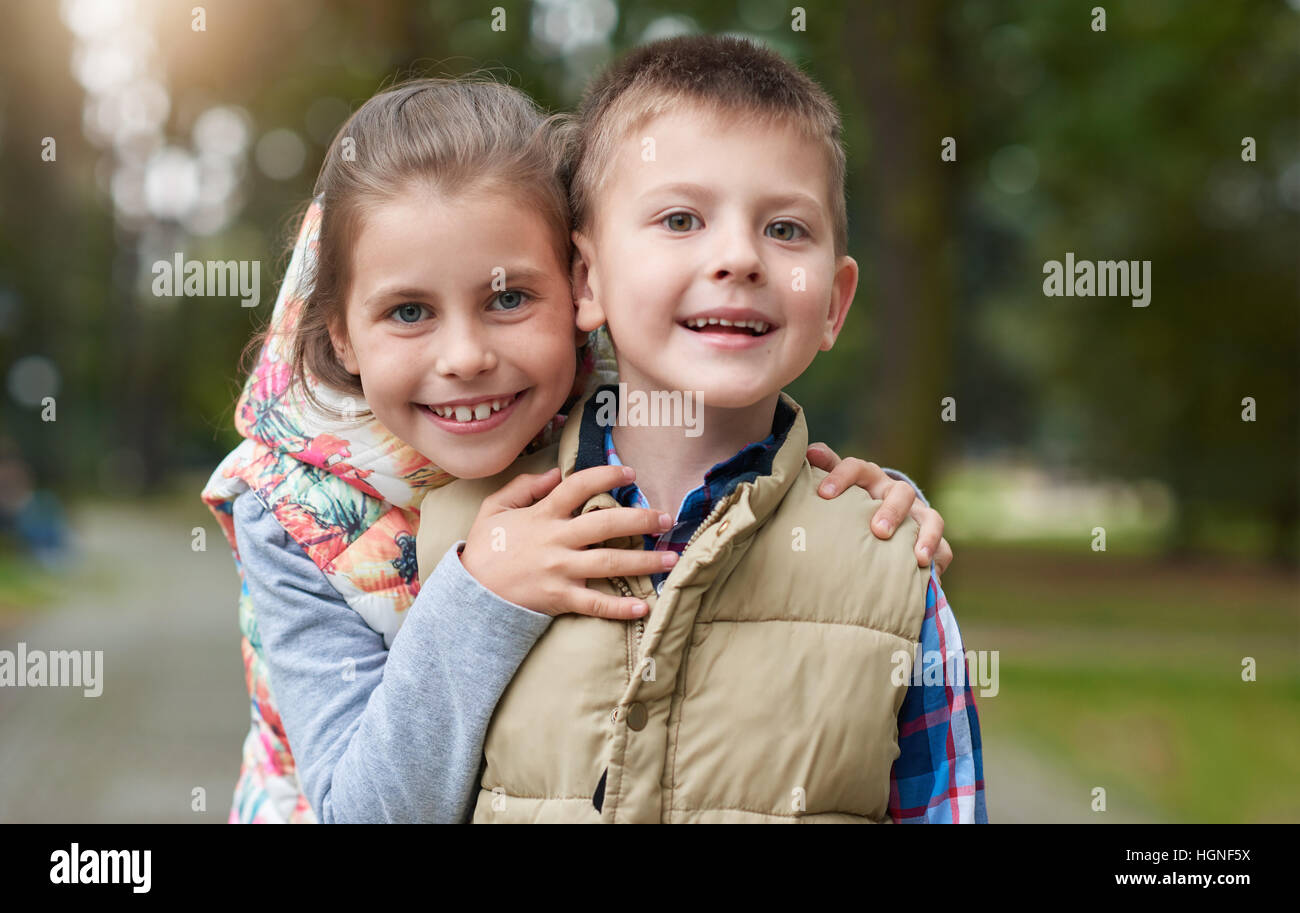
(669,463)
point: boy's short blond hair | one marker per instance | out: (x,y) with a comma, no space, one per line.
(728,76)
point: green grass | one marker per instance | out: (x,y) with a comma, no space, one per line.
(23,585)
(1127,673)
(1098,590)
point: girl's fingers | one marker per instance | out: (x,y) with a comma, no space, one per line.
(821,456)
(898,501)
(861,473)
(583,601)
(542,485)
(943,557)
(928,539)
(523,491)
(595,563)
(578,488)
(599,526)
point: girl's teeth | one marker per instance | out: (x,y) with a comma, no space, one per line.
(477,412)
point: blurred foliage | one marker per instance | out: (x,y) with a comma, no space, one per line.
(1123,144)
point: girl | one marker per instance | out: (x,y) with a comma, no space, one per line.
(440,203)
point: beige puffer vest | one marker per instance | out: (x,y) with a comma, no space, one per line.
(759,687)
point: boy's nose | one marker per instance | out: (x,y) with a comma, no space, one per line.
(753,275)
(738,260)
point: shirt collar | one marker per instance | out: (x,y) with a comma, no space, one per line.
(596,448)
(582,445)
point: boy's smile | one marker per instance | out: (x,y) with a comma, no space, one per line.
(706,218)
(730,327)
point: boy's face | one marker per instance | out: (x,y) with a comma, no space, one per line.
(459,300)
(716,218)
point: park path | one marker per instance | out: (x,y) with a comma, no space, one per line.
(173,712)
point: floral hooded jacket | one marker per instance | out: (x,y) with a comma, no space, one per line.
(348,493)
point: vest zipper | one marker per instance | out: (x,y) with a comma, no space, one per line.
(638,626)
(598,800)
(708,521)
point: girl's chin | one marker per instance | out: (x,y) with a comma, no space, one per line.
(467,463)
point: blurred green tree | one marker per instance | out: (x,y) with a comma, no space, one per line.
(1122,144)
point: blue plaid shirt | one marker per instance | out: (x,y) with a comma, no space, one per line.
(938,776)
(720,481)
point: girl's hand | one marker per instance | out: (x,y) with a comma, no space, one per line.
(527,547)
(899,499)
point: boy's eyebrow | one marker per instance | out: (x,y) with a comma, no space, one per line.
(790,198)
(680,188)
(793,198)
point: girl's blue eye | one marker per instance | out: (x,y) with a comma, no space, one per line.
(408,313)
(679,221)
(511,299)
(786,231)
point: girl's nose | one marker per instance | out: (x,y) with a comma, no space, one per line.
(463,353)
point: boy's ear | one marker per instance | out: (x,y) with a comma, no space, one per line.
(586,284)
(343,347)
(843,288)
(580,336)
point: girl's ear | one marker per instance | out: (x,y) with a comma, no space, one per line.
(586,282)
(343,348)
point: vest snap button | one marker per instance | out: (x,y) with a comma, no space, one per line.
(636,716)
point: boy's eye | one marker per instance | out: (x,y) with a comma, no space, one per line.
(679,221)
(511,299)
(408,313)
(784,231)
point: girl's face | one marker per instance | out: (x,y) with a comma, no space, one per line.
(460,323)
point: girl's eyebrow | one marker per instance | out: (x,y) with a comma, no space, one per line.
(521,272)
(512,275)
(386,294)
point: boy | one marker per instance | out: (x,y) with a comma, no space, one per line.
(711,231)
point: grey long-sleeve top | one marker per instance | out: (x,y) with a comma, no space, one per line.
(381,734)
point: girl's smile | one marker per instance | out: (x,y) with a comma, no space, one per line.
(465,297)
(475,415)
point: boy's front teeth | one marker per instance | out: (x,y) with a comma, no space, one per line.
(758,326)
